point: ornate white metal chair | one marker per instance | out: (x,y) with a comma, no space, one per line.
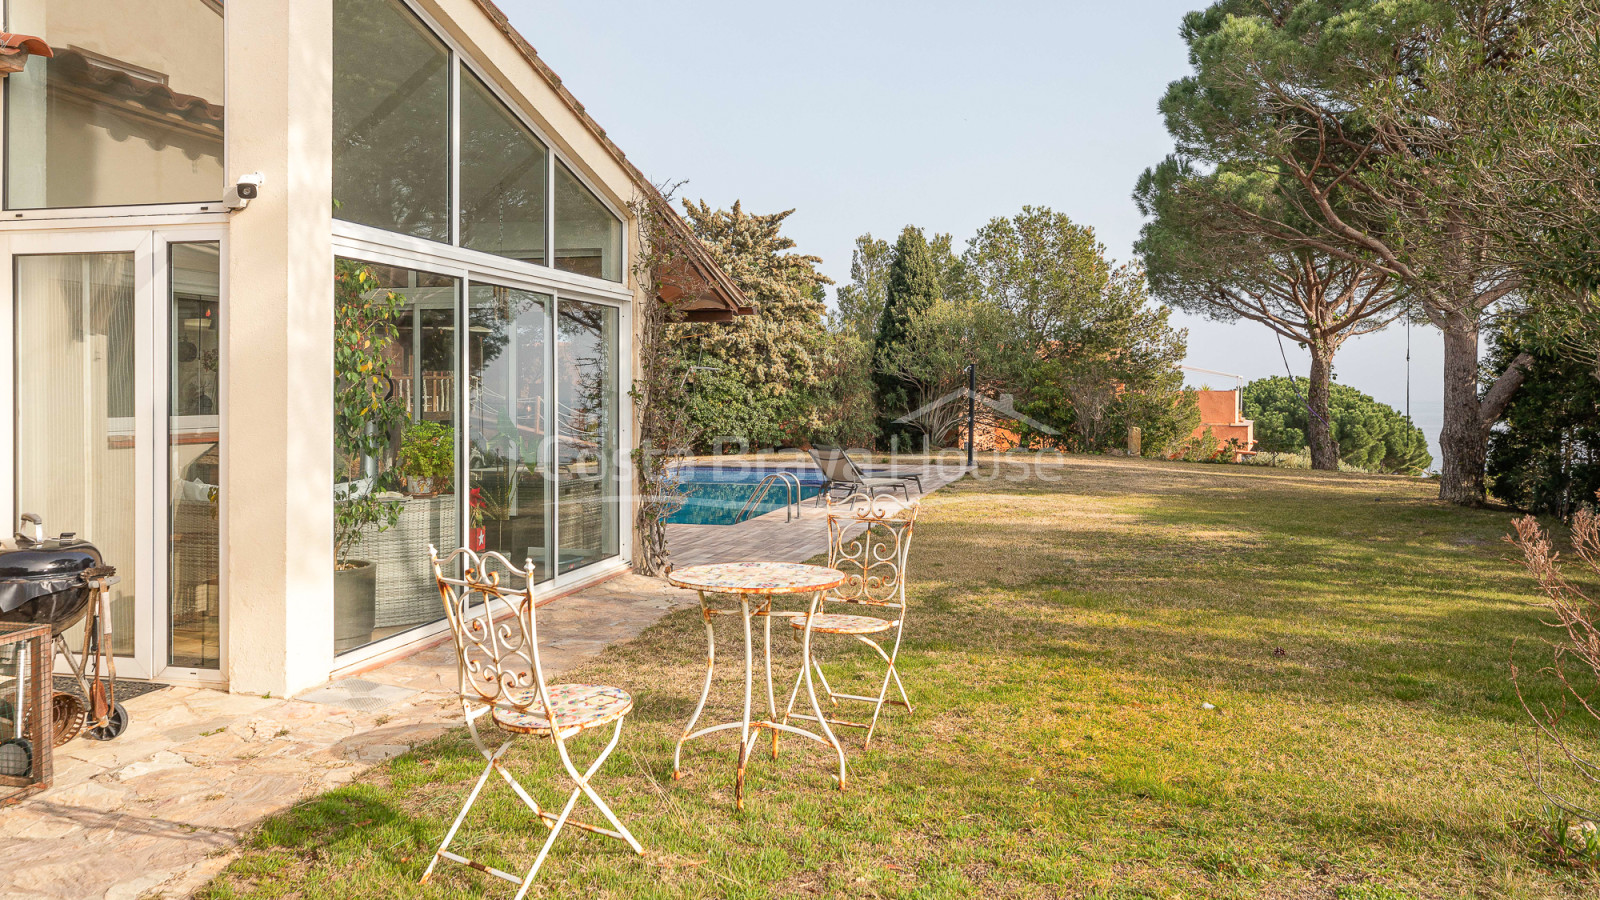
(869,539)
(500,676)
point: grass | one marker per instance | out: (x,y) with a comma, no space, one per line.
(1067,633)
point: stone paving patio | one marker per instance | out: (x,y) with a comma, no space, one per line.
(158,811)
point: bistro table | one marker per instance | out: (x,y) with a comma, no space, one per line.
(754,584)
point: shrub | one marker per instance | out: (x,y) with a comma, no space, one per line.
(427,454)
(1575,667)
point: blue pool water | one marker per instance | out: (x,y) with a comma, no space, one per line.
(714,496)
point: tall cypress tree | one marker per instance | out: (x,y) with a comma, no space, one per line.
(913,285)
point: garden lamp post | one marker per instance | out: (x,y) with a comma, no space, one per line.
(972,410)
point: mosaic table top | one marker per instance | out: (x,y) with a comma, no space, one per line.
(757,578)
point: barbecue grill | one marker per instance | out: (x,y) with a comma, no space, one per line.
(58,581)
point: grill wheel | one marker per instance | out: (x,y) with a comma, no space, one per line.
(66,717)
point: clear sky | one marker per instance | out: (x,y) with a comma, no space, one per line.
(867,116)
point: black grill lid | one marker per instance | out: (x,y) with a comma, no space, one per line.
(50,559)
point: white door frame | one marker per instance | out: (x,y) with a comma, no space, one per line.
(160,524)
(149,245)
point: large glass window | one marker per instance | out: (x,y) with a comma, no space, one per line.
(193,454)
(128,112)
(508,425)
(391,120)
(586,396)
(395,420)
(588,236)
(392,162)
(504,178)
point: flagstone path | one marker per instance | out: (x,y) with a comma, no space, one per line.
(158,811)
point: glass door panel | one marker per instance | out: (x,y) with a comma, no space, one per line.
(194,313)
(395,491)
(77,411)
(507,347)
(586,394)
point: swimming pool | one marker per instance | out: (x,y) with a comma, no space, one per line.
(714,495)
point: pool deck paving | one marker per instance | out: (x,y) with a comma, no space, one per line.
(160,810)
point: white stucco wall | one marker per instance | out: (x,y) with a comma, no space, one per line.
(280,374)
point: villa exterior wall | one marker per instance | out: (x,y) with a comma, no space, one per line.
(279,580)
(281,287)
(276,371)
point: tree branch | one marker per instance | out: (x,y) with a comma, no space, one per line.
(1498,397)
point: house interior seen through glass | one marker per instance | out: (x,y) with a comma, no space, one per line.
(395,421)
(538,461)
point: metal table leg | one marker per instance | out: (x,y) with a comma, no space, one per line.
(750,731)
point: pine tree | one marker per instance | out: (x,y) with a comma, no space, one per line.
(913,286)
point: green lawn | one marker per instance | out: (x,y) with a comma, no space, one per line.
(1066,630)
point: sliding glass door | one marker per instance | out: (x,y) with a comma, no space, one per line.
(519,391)
(117,353)
(395,473)
(586,396)
(508,349)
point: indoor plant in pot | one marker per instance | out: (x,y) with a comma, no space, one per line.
(427,458)
(364,412)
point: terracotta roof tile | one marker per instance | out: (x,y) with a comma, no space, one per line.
(11,43)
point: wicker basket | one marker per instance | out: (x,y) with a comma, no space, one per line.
(407,594)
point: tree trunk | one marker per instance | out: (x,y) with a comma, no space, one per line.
(1462,440)
(1324,452)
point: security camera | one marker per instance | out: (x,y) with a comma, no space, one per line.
(240,195)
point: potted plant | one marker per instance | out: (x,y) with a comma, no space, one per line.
(364,412)
(479,539)
(501,461)
(427,458)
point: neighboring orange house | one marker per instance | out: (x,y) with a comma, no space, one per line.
(1223,413)
(991,436)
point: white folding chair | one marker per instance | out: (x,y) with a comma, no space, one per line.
(500,676)
(869,539)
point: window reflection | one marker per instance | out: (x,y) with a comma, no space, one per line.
(588,236)
(194,454)
(508,426)
(128,112)
(504,172)
(586,395)
(391,114)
